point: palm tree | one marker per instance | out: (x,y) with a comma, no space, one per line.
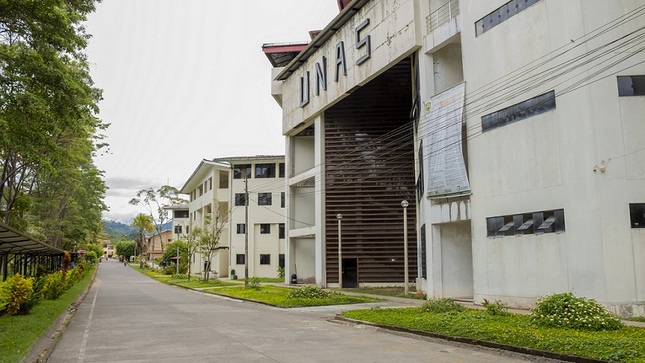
(145,224)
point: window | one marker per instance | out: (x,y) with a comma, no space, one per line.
(519,111)
(265,228)
(264,198)
(281,260)
(187,229)
(240,199)
(210,183)
(424,267)
(265,259)
(241,171)
(180,214)
(527,223)
(637,215)
(223,179)
(241,228)
(281,231)
(281,170)
(265,170)
(501,14)
(178,229)
(282,200)
(239,259)
(631,86)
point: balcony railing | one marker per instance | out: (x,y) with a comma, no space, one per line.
(442,15)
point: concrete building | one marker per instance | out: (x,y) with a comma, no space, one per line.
(180,221)
(498,122)
(221,183)
(156,244)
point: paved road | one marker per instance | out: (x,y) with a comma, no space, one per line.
(128,317)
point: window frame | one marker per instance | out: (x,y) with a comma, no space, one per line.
(265,259)
(265,198)
(265,228)
(264,170)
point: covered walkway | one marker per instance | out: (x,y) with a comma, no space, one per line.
(21,253)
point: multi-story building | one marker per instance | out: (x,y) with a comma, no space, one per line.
(180,221)
(224,183)
(497,121)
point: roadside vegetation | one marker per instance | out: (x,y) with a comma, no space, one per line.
(395,291)
(28,307)
(560,323)
(286,297)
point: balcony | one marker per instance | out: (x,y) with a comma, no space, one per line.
(444,14)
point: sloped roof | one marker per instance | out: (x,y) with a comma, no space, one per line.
(16,242)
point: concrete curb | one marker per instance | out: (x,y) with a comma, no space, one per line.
(42,349)
(479,343)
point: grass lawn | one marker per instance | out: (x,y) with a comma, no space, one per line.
(276,296)
(194,283)
(18,333)
(396,291)
(624,345)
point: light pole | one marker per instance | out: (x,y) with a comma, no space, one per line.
(340,252)
(177,261)
(404,204)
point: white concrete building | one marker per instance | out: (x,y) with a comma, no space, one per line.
(521,123)
(221,183)
(180,220)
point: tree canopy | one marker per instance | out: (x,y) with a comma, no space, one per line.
(49,129)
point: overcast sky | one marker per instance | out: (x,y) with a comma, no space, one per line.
(185,80)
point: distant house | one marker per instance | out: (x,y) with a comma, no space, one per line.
(156,244)
(108,248)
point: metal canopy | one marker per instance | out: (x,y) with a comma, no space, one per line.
(16,242)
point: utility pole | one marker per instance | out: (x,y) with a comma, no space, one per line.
(246,230)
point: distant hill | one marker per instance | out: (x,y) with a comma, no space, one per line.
(118,231)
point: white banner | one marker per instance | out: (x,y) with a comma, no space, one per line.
(441,130)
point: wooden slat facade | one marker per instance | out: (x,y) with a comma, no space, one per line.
(369,170)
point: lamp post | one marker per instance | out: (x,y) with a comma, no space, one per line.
(404,204)
(177,261)
(340,252)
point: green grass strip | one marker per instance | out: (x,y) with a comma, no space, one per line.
(624,345)
(18,333)
(276,296)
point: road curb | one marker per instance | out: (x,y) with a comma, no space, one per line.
(467,341)
(42,349)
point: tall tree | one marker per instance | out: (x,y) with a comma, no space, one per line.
(145,224)
(48,125)
(191,239)
(210,236)
(155,202)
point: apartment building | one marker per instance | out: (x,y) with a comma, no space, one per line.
(224,183)
(513,129)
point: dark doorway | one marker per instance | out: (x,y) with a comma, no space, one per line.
(350,272)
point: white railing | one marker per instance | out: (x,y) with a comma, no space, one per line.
(442,15)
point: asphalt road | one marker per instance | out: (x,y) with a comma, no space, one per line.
(128,317)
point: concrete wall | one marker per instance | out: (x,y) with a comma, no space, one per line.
(547,161)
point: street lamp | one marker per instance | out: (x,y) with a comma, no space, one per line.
(405,204)
(340,252)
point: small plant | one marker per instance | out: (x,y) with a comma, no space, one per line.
(254,283)
(495,308)
(53,286)
(17,292)
(568,311)
(281,272)
(441,305)
(308,292)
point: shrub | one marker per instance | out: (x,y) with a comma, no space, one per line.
(308,292)
(17,293)
(254,283)
(280,272)
(91,257)
(441,305)
(54,286)
(495,308)
(568,311)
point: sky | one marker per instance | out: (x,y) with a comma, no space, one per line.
(186,80)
